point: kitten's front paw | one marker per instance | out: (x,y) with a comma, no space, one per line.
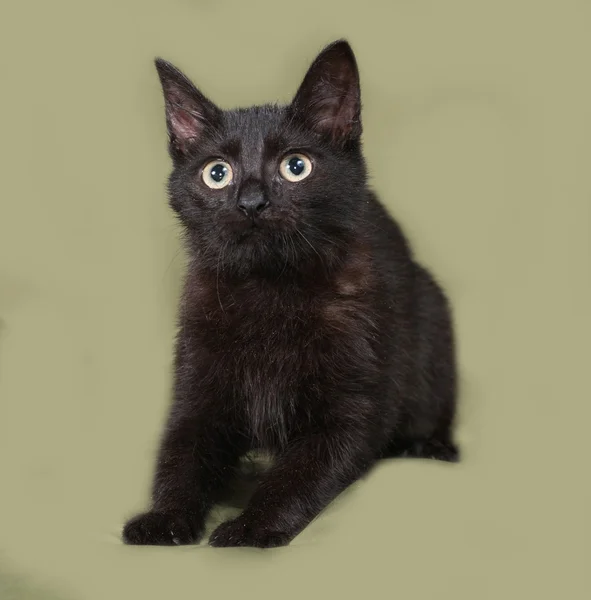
(239,532)
(160,529)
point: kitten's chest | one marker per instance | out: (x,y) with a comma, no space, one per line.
(265,357)
(271,352)
(265,345)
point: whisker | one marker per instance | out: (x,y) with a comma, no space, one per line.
(217,282)
(309,244)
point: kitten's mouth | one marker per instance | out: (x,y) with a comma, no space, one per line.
(254,223)
(251,225)
(256,227)
(252,229)
(248,229)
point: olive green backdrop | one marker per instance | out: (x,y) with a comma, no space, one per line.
(478,135)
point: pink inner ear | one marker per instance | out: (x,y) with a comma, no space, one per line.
(184,118)
(345,114)
(334,113)
(185,125)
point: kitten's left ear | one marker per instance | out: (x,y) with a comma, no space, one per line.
(329,98)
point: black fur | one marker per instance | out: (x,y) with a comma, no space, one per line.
(307,331)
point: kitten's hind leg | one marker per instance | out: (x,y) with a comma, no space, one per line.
(436,448)
(430,418)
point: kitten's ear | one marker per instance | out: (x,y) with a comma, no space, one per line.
(329,98)
(188,112)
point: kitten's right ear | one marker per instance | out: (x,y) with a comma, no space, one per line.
(328,99)
(188,112)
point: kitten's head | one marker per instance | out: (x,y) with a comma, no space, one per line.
(269,188)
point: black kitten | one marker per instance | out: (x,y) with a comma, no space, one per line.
(306,327)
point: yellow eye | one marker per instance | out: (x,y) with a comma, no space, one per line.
(295,167)
(217,174)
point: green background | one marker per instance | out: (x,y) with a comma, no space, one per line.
(477,131)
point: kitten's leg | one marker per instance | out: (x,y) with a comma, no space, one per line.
(427,429)
(307,477)
(196,458)
(431,432)
(437,448)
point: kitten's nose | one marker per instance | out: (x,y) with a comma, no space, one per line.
(252,205)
